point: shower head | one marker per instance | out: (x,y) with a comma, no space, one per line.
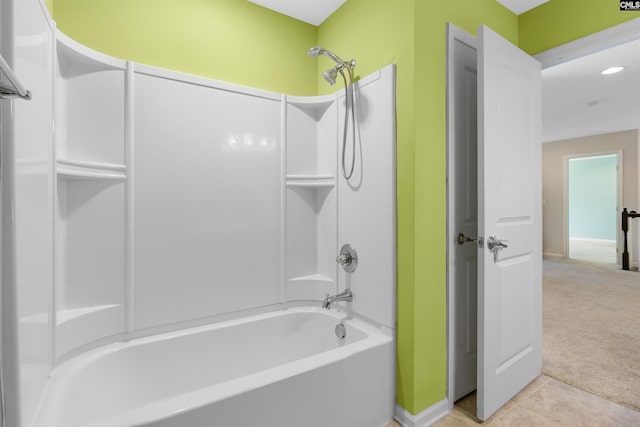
(330,76)
(315,51)
(319,50)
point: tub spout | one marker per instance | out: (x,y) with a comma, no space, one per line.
(345,295)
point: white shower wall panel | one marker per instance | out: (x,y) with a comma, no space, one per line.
(207,179)
(367,215)
(30,160)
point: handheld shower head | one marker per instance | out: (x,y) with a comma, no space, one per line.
(319,50)
(315,51)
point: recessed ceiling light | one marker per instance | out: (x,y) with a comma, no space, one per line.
(613,70)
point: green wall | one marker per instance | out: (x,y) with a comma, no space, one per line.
(236,41)
(230,40)
(412,34)
(430,180)
(561,21)
(355,31)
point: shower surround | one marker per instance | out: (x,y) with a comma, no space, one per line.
(168,217)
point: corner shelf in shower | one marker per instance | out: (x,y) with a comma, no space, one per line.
(313,106)
(311,181)
(86,59)
(316,278)
(68,315)
(90,96)
(79,326)
(310,287)
(82,170)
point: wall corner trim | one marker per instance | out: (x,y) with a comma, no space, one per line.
(428,417)
(613,36)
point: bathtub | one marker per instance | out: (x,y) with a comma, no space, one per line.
(283,368)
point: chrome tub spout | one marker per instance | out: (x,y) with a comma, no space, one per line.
(345,295)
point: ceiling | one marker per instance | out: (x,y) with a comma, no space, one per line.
(311,11)
(316,11)
(579,101)
(521,6)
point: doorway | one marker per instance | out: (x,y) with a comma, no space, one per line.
(460,341)
(494,190)
(592,207)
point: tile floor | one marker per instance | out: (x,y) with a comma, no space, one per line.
(546,403)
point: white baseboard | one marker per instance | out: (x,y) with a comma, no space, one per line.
(428,417)
(552,255)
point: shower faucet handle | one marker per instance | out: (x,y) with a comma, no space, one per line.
(348,258)
(344,259)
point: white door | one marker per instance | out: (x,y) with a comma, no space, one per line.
(463,211)
(509,211)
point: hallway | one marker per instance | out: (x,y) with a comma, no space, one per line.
(591,329)
(593,251)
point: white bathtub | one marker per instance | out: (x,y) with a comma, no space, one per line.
(284,368)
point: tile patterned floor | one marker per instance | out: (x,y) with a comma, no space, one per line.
(545,403)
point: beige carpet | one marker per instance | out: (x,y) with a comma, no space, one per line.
(593,250)
(591,330)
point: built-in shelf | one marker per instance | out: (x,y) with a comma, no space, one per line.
(309,177)
(74,169)
(82,175)
(311,181)
(312,184)
(311,287)
(84,58)
(91,165)
(76,327)
(90,113)
(314,107)
(90,107)
(311,278)
(73,313)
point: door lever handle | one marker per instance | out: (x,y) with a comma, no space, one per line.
(495,245)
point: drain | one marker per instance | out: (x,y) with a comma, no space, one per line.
(341,331)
